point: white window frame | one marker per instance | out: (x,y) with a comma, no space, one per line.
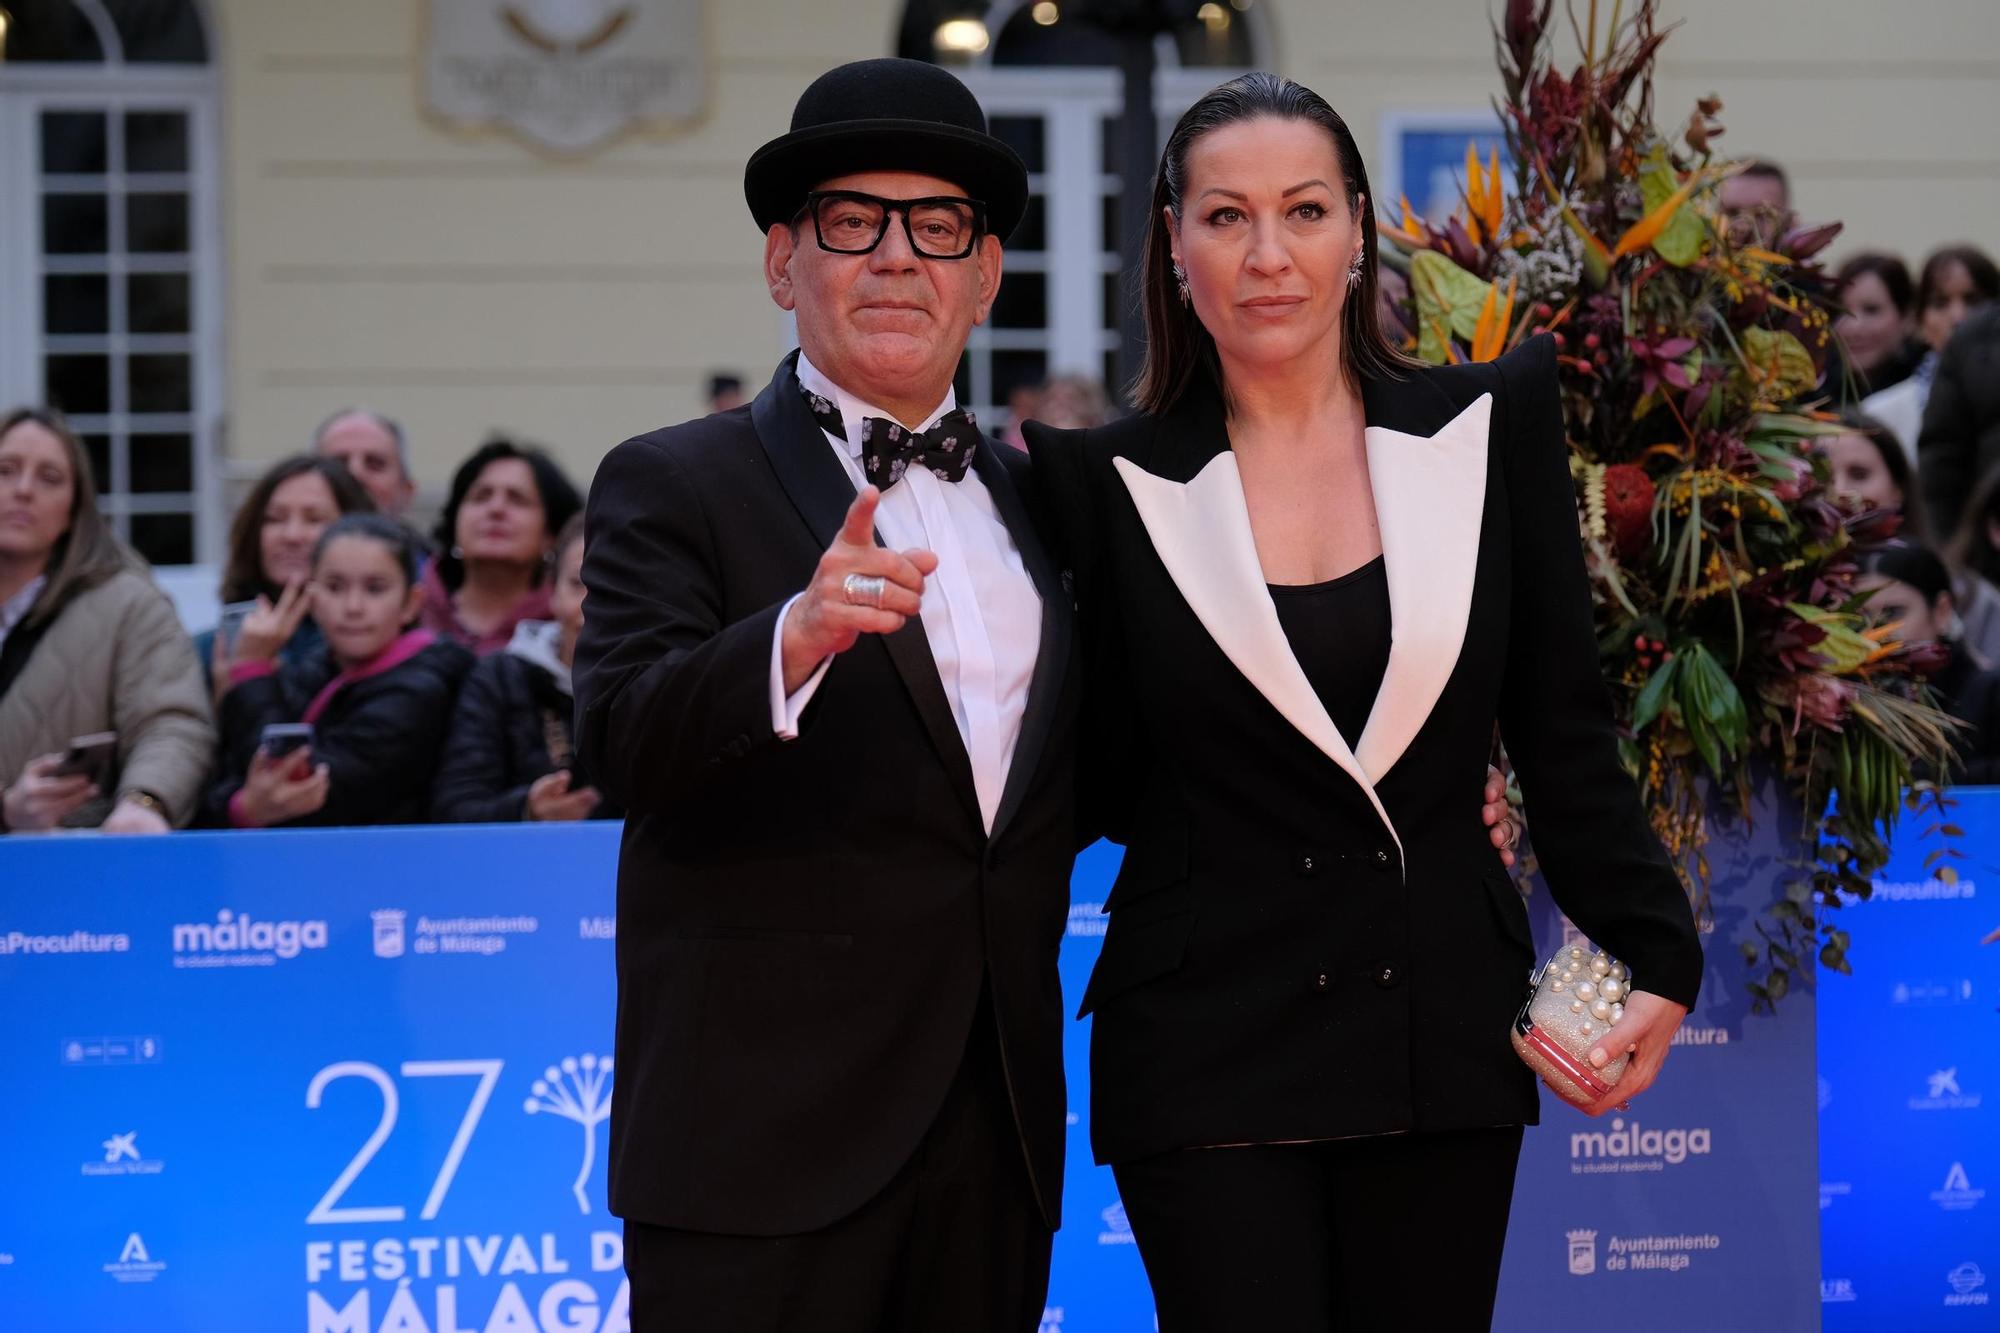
(114,87)
(1072,104)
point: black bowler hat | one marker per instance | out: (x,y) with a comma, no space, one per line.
(887,115)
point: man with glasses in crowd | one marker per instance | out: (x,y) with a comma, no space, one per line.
(839,1102)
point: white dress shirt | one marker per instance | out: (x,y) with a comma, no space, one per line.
(981,612)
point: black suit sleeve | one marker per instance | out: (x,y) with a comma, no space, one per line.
(475,782)
(668,697)
(1110,758)
(1948,440)
(1978,706)
(1603,864)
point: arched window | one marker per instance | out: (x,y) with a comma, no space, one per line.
(109,261)
(1049,75)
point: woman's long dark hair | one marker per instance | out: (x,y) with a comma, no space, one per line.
(88,552)
(243,575)
(1978,266)
(1895,276)
(1916,528)
(1178,348)
(559,499)
(400,541)
(1912,563)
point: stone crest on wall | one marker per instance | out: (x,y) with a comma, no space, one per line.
(566,76)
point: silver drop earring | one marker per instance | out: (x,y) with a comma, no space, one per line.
(1180,283)
(1354,272)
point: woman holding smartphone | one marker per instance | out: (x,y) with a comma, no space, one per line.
(377,700)
(270,553)
(87,645)
(1311,578)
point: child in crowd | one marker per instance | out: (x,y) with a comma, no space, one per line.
(378,700)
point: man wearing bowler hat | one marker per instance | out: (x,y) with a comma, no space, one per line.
(825,666)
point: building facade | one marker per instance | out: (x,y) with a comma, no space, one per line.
(220,221)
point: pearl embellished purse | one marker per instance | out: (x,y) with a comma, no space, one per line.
(1573,999)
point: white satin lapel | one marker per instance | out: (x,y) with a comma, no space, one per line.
(1430,496)
(1201,531)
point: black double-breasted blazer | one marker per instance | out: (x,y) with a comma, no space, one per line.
(804,926)
(1311,936)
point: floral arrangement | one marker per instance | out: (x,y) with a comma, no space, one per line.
(1690,360)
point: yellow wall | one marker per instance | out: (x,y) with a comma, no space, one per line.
(464,283)
(1886,115)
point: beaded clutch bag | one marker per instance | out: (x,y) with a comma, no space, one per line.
(1573,999)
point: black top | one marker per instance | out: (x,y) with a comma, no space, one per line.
(1339,631)
(379,737)
(1283,961)
(1960,439)
(513,725)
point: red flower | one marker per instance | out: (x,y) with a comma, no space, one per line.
(1628,507)
(1660,361)
(1821,699)
(1802,243)
(1926,657)
(1525,21)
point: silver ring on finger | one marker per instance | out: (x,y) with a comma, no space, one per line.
(864,589)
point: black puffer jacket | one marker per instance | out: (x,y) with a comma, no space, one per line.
(514,724)
(1960,442)
(380,735)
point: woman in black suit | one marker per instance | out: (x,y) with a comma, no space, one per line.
(1310,579)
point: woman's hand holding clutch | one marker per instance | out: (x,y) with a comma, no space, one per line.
(1646,1031)
(1557,1033)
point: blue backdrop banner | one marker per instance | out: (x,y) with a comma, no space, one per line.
(328,1081)
(1909,1073)
(356,1082)
(1695,1208)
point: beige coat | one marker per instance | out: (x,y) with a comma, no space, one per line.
(115,659)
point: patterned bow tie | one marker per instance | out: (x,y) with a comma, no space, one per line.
(888,448)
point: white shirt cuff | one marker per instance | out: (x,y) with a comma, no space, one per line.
(786,710)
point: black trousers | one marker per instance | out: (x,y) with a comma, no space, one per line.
(954,1242)
(1395,1231)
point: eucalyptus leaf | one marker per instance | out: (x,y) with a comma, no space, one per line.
(1654,695)
(1448,302)
(1681,242)
(1783,365)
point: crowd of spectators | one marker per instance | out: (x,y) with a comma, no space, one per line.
(1915,379)
(359,672)
(362,672)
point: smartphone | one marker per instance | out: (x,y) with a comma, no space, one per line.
(281,738)
(231,624)
(90,756)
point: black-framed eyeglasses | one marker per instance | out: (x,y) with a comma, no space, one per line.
(847,222)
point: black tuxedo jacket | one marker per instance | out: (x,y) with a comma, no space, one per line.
(1311,936)
(803,926)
